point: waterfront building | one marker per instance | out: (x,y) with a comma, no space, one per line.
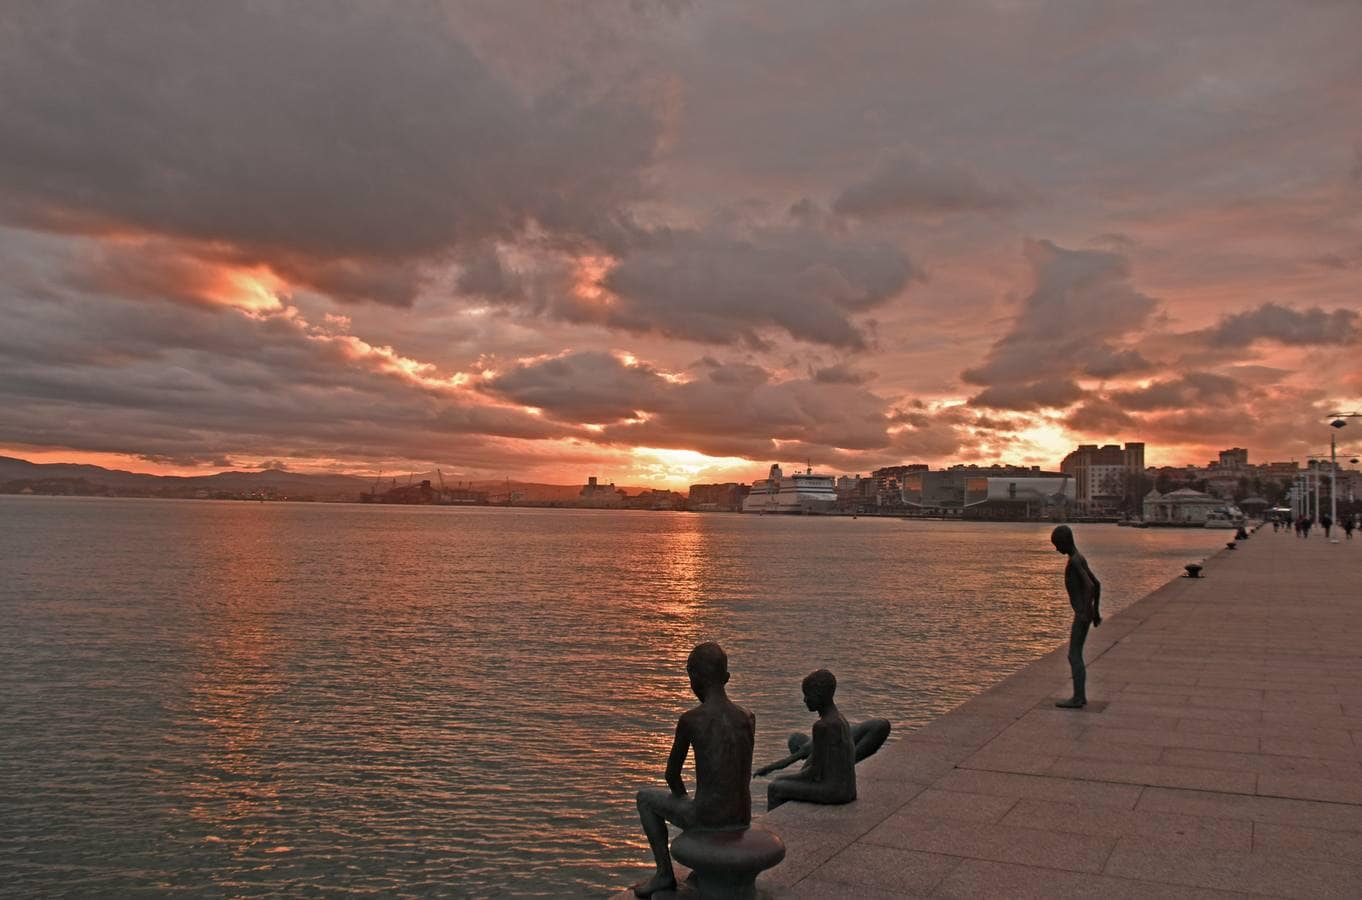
(727,497)
(802,492)
(997,492)
(1223,484)
(889,481)
(425,493)
(1234,458)
(1181,507)
(657,500)
(600,496)
(1105,477)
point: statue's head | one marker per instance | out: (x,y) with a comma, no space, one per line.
(819,686)
(1063,539)
(707,667)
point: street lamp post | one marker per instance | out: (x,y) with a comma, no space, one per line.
(1339,420)
(1333,474)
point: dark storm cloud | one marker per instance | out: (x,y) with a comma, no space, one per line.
(1080,310)
(722,286)
(1030,395)
(1098,417)
(196,382)
(907,182)
(321,136)
(727,409)
(1194,389)
(733,282)
(1284,325)
(583,387)
(512,179)
(1340,261)
(841,373)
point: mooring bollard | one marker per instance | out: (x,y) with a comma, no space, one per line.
(1229,545)
(1193,570)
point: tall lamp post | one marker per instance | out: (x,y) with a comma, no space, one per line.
(1339,420)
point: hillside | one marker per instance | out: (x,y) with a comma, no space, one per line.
(20,475)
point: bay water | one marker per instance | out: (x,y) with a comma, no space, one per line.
(244,699)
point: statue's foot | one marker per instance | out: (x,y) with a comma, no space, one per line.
(662,881)
(1072,703)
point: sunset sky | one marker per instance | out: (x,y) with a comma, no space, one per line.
(670,242)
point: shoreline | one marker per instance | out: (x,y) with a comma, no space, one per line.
(907,517)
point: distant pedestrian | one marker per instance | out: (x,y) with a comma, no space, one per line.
(1348,525)
(1306,525)
(1300,526)
(1327,521)
(1275,526)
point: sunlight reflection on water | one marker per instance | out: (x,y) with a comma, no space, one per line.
(252,698)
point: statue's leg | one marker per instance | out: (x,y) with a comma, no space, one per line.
(774,797)
(1078,633)
(798,741)
(782,790)
(655,809)
(869,736)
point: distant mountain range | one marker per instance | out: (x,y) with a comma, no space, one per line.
(72,478)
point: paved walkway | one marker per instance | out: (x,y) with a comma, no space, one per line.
(1221,756)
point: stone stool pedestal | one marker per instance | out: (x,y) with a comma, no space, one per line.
(726,863)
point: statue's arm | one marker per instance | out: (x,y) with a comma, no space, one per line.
(799,754)
(1094,590)
(677,758)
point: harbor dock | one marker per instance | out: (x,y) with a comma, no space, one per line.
(1220,755)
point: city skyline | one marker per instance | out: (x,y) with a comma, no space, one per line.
(672,243)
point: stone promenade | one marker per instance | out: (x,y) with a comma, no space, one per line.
(1220,755)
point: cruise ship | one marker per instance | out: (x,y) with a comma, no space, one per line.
(802,492)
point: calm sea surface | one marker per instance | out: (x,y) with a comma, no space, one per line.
(247,699)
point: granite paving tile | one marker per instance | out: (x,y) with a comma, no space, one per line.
(1328,790)
(1003,843)
(1141,825)
(805,850)
(973,879)
(933,803)
(1312,843)
(818,889)
(1205,779)
(1279,810)
(994,758)
(1005,784)
(878,868)
(1265,764)
(1281,745)
(1234,870)
(1243,743)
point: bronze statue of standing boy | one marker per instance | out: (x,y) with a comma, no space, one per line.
(1085,594)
